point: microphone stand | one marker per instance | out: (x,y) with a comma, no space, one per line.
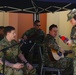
(4,53)
(40,52)
(32,46)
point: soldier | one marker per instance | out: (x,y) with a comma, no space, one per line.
(1,32)
(35,33)
(35,37)
(49,44)
(72,18)
(12,66)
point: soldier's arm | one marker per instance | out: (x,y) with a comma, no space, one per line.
(29,66)
(25,35)
(22,58)
(1,57)
(6,63)
(73,35)
(52,44)
(17,65)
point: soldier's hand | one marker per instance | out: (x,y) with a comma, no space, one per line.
(25,37)
(18,65)
(62,50)
(69,42)
(29,66)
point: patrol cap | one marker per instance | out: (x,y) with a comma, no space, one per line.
(71,14)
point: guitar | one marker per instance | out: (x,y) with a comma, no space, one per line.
(55,56)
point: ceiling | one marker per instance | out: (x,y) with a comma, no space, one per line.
(36,6)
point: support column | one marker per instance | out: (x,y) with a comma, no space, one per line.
(36,16)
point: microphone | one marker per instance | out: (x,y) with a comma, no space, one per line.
(63,38)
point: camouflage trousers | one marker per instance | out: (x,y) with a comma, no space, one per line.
(24,71)
(74,61)
(64,63)
(74,66)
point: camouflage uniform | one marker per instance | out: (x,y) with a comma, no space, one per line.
(35,36)
(50,43)
(11,55)
(1,37)
(73,38)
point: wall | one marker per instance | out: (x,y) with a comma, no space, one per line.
(64,28)
(4,19)
(52,18)
(25,22)
(13,21)
(43,21)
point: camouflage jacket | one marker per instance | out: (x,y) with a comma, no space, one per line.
(11,54)
(1,37)
(48,44)
(73,38)
(34,35)
(73,34)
